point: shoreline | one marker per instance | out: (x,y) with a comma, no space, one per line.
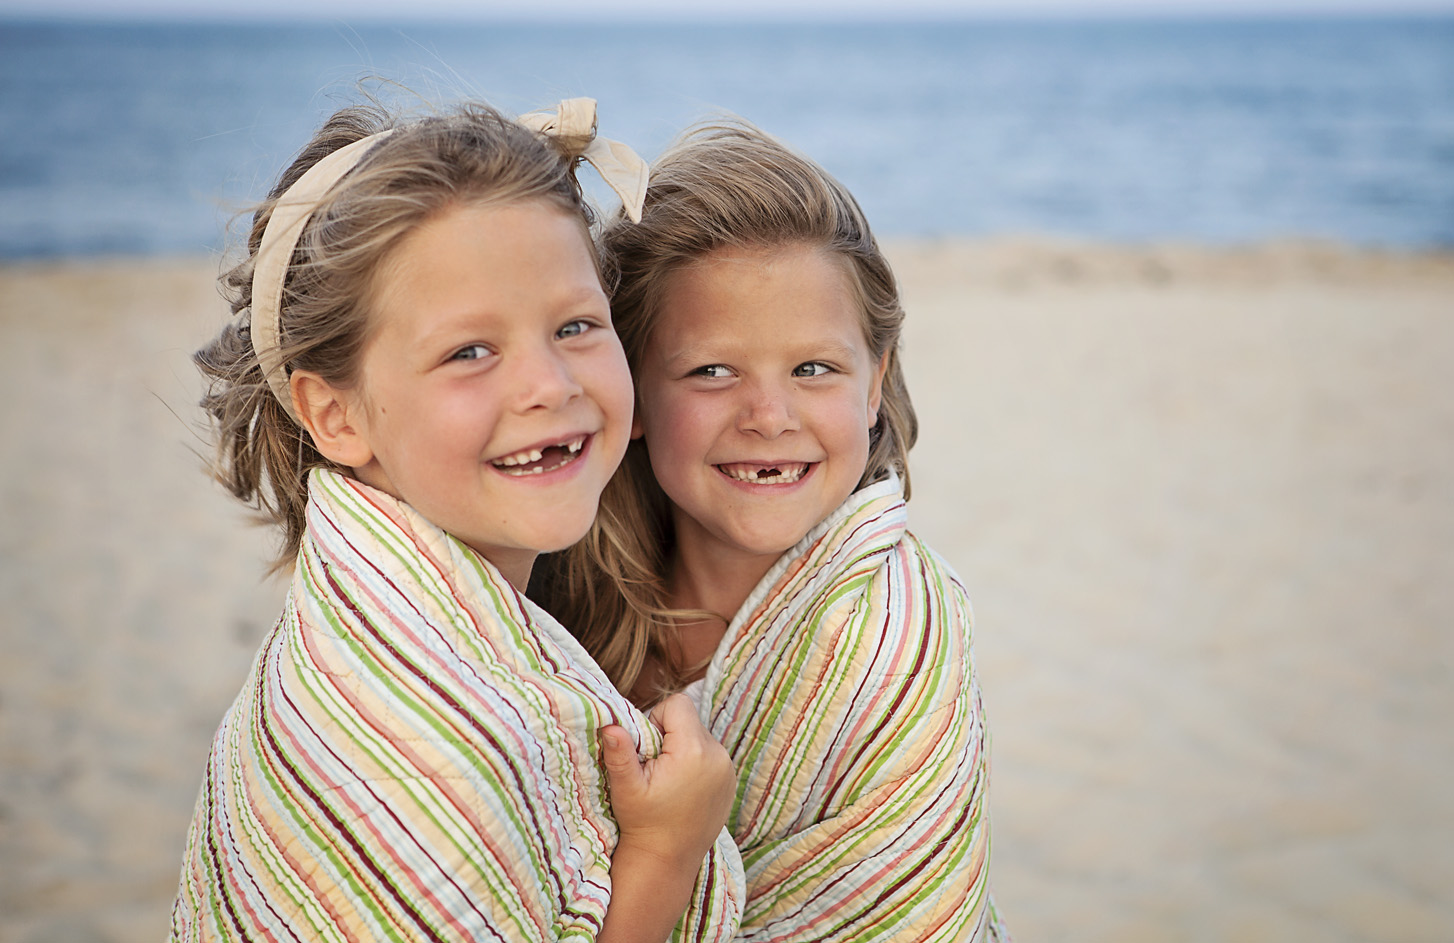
(1013,257)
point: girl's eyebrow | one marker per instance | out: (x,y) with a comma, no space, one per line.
(716,351)
(465,325)
(831,350)
(485,316)
(697,354)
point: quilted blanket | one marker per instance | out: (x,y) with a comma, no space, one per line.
(414,757)
(845,692)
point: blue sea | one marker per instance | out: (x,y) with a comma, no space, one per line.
(147,138)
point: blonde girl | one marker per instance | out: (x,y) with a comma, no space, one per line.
(753,549)
(422,388)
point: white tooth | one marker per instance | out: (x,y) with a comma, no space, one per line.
(575,444)
(519,458)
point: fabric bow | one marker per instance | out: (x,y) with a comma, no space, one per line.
(573,124)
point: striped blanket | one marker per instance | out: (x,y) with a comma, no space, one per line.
(845,692)
(414,757)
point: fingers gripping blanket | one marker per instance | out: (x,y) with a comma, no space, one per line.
(845,693)
(414,757)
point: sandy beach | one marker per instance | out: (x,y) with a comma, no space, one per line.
(1203,500)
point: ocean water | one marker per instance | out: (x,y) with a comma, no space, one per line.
(144,139)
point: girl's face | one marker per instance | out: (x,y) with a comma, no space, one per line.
(494,395)
(756,392)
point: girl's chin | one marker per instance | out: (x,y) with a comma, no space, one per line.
(762,542)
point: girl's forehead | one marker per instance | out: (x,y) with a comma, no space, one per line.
(794,266)
(716,292)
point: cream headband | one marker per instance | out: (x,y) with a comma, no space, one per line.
(573,126)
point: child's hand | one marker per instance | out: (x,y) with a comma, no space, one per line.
(671,810)
(674,806)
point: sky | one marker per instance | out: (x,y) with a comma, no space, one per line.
(816,10)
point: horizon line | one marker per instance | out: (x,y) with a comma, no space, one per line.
(638,18)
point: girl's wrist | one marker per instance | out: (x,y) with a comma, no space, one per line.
(649,893)
(669,856)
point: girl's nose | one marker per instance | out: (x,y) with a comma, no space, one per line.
(546,381)
(768,412)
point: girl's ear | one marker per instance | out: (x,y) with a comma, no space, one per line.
(876,390)
(333,418)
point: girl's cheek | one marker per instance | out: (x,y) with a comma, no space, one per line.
(696,409)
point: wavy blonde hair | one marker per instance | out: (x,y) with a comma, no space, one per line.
(470,155)
(721,185)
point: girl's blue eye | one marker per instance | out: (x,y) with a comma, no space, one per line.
(472,352)
(811,369)
(574,329)
(714,370)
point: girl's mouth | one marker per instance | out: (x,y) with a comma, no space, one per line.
(782,473)
(538,461)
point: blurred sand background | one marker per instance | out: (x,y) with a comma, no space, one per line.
(1203,499)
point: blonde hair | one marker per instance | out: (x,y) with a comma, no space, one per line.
(721,185)
(469,155)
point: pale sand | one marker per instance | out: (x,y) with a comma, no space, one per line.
(1203,501)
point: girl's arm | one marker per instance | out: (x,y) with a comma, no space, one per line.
(671,810)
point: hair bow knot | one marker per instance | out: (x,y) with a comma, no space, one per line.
(573,124)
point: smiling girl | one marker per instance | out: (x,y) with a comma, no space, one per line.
(424,390)
(754,550)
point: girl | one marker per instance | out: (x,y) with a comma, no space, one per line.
(753,545)
(426,393)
